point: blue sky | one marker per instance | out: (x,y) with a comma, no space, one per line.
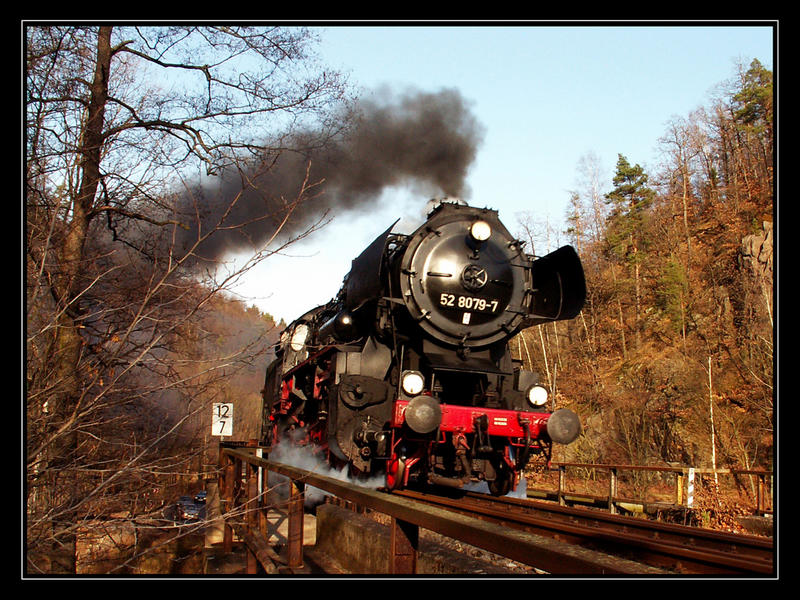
(545,96)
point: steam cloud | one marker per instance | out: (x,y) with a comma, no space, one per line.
(426,141)
(303,457)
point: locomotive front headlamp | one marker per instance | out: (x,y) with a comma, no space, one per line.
(480,231)
(412,382)
(299,337)
(537,396)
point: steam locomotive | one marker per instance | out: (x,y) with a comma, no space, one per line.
(407,372)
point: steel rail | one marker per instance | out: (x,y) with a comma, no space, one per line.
(683,549)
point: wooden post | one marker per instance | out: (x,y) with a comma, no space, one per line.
(228,496)
(562,480)
(251,514)
(263,502)
(295,510)
(404,547)
(612,491)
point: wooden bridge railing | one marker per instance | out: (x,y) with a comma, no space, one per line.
(244,512)
(684,483)
(241,488)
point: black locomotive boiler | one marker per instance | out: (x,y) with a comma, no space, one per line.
(407,372)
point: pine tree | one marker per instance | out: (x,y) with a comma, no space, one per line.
(752,109)
(629,201)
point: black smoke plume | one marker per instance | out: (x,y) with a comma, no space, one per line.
(426,141)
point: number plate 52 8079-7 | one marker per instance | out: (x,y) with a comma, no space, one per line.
(468,303)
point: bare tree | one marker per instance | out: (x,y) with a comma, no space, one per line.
(590,174)
(122,125)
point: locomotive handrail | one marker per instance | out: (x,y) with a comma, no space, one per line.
(406,518)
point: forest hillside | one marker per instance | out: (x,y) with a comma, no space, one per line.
(672,358)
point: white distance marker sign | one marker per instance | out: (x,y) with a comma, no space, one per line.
(222,419)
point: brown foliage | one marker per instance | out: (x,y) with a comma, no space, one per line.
(698,387)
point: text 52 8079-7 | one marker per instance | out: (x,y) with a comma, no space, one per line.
(468,303)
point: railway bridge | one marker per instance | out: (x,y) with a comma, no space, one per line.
(268,523)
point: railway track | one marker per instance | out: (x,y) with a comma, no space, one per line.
(555,539)
(680,549)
